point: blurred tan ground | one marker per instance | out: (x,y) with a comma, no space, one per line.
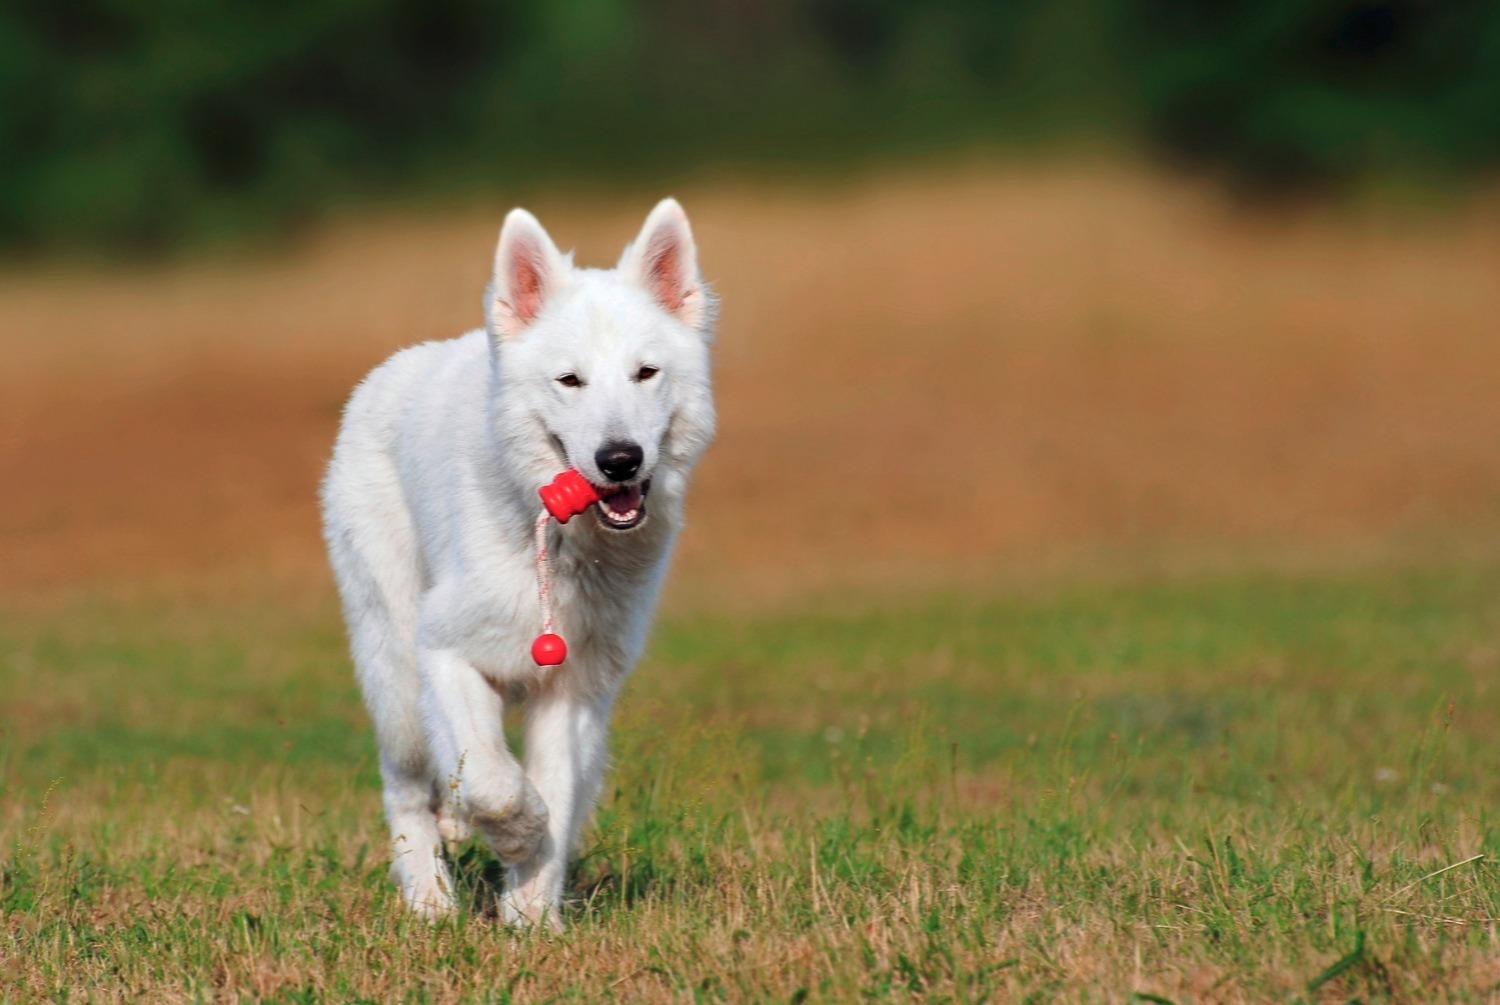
(978,368)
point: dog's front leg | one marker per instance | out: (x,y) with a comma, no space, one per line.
(464,716)
(566,749)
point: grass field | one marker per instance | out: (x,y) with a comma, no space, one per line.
(1250,788)
(1094,593)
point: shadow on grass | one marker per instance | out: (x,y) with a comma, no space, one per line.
(479,879)
(601,879)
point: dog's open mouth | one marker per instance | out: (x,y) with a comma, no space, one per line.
(624,508)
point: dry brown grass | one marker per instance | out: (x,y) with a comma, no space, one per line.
(927,370)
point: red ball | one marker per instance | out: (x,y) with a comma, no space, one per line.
(549,650)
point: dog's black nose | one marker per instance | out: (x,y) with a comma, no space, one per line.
(619,460)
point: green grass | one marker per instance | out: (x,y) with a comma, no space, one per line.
(1242,789)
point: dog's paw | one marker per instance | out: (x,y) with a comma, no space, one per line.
(452,828)
(517,911)
(429,895)
(517,827)
(432,906)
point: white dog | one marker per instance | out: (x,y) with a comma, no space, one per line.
(429,506)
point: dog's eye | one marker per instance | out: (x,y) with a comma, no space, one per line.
(570,380)
(647,372)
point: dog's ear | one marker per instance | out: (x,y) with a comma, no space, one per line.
(664,260)
(528,270)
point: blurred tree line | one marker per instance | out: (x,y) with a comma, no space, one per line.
(139,124)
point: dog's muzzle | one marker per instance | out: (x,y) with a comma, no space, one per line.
(623,508)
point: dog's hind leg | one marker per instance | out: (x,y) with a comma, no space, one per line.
(452,826)
(417,865)
(372,555)
(386,658)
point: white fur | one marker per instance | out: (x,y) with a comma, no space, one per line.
(429,506)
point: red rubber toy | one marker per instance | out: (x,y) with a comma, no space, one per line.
(549,650)
(568,495)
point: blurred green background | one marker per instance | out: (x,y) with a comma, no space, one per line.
(145,125)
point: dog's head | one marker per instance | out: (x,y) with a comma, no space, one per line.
(612,365)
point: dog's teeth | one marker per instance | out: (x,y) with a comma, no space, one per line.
(620,519)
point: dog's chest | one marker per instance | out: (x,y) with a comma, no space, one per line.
(601,601)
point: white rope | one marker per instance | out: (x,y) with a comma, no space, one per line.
(543,572)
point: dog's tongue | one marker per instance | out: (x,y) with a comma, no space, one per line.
(624,500)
